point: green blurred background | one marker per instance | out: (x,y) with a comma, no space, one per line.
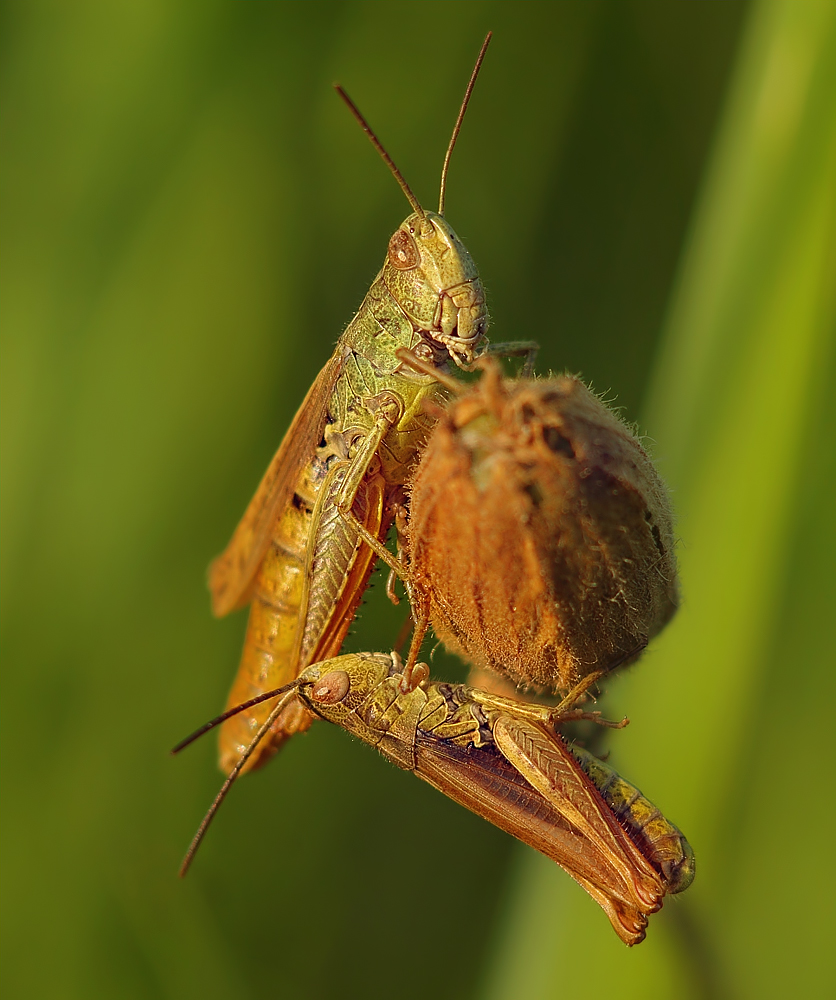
(190,218)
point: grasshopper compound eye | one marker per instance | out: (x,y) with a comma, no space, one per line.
(403,253)
(332,688)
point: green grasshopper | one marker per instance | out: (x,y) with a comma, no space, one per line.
(505,761)
(302,554)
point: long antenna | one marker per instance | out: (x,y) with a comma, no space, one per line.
(229,713)
(289,695)
(378,145)
(458,125)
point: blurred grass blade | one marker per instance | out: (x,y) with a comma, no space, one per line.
(745,436)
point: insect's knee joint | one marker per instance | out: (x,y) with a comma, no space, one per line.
(388,405)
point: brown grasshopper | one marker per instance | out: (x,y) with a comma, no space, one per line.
(505,761)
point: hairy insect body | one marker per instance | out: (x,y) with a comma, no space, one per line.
(298,554)
(540,537)
(504,760)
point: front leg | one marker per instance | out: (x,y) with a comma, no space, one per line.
(401,524)
(534,712)
(515,349)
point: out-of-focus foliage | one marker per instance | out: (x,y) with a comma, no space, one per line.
(730,710)
(190,217)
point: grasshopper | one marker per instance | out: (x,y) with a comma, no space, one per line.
(302,554)
(505,761)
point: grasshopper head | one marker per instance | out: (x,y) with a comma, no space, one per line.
(362,692)
(434,280)
(335,689)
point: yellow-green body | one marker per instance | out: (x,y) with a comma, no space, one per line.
(672,854)
(504,760)
(303,552)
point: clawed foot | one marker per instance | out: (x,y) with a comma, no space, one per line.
(576,714)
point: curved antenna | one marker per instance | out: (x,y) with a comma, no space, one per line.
(458,125)
(228,714)
(378,145)
(233,774)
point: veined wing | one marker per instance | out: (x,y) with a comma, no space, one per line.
(565,819)
(548,766)
(231,574)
